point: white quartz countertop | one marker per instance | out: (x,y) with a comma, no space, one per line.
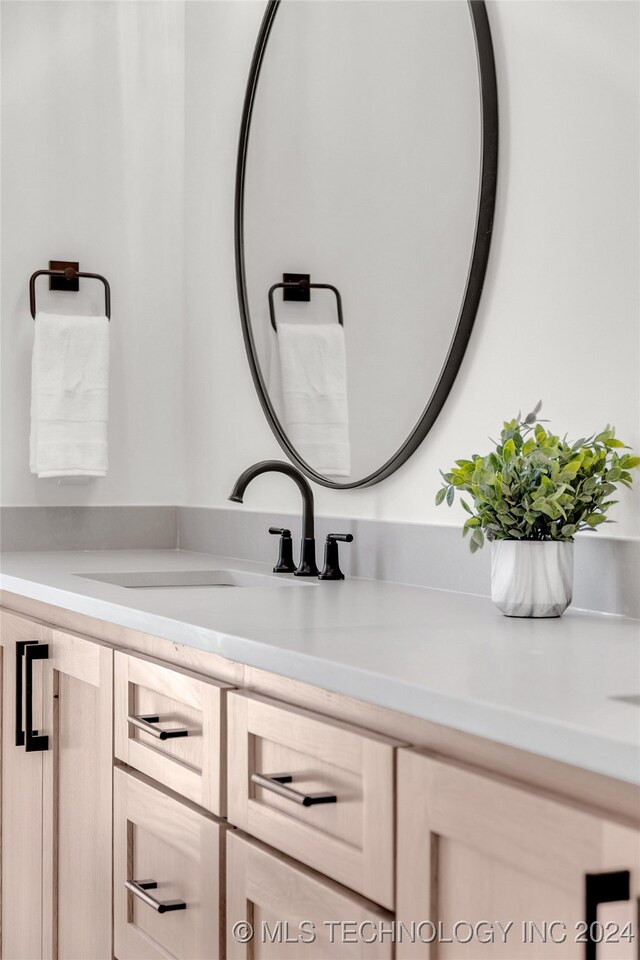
(546,686)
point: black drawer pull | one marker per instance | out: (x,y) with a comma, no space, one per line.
(275,783)
(21,646)
(602,888)
(146,724)
(139,889)
(26,736)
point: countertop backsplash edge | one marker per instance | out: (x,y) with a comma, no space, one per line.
(607,569)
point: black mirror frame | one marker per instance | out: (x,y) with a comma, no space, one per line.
(477,269)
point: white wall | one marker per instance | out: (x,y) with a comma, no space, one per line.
(92,170)
(92,151)
(559,313)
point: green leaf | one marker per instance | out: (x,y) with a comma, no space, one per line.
(440,495)
(594,519)
(466,506)
(612,442)
(473,546)
(629,462)
(568,529)
(478,537)
(509,450)
(450,495)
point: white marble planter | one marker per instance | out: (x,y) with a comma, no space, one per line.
(531,578)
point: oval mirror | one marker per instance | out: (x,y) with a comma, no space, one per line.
(364,204)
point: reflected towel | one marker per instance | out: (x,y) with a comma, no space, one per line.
(313,372)
(69,396)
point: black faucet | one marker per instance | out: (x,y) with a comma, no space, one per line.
(307,566)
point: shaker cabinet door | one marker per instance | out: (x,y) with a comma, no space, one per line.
(77,805)
(169,725)
(490,869)
(317,789)
(56,794)
(168,888)
(278,909)
(21,793)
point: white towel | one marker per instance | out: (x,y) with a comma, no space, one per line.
(313,371)
(69,396)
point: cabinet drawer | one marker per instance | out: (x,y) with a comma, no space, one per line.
(161,840)
(295,912)
(169,724)
(349,839)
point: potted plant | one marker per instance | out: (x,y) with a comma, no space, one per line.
(530,496)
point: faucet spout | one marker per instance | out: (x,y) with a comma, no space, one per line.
(307,566)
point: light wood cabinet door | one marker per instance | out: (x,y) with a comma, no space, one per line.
(495,858)
(21,895)
(77,798)
(56,785)
(168,889)
(350,839)
(169,725)
(280,910)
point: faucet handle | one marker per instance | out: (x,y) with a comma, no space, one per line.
(331,569)
(285,562)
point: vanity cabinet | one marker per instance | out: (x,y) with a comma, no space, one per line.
(339,813)
(56,793)
(474,849)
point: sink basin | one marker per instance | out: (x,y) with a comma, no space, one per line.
(166,579)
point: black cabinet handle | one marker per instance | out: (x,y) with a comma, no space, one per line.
(602,888)
(21,647)
(33,741)
(275,783)
(139,887)
(146,724)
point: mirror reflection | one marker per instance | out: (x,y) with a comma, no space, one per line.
(362,187)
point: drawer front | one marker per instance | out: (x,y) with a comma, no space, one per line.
(169,724)
(349,839)
(295,912)
(160,840)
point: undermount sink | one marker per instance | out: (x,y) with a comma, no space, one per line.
(166,579)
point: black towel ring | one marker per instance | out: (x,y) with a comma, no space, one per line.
(69,274)
(304,286)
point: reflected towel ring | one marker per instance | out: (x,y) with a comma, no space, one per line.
(304,286)
(69,274)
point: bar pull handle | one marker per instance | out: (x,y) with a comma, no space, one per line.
(31,650)
(139,889)
(275,783)
(602,888)
(21,646)
(146,724)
